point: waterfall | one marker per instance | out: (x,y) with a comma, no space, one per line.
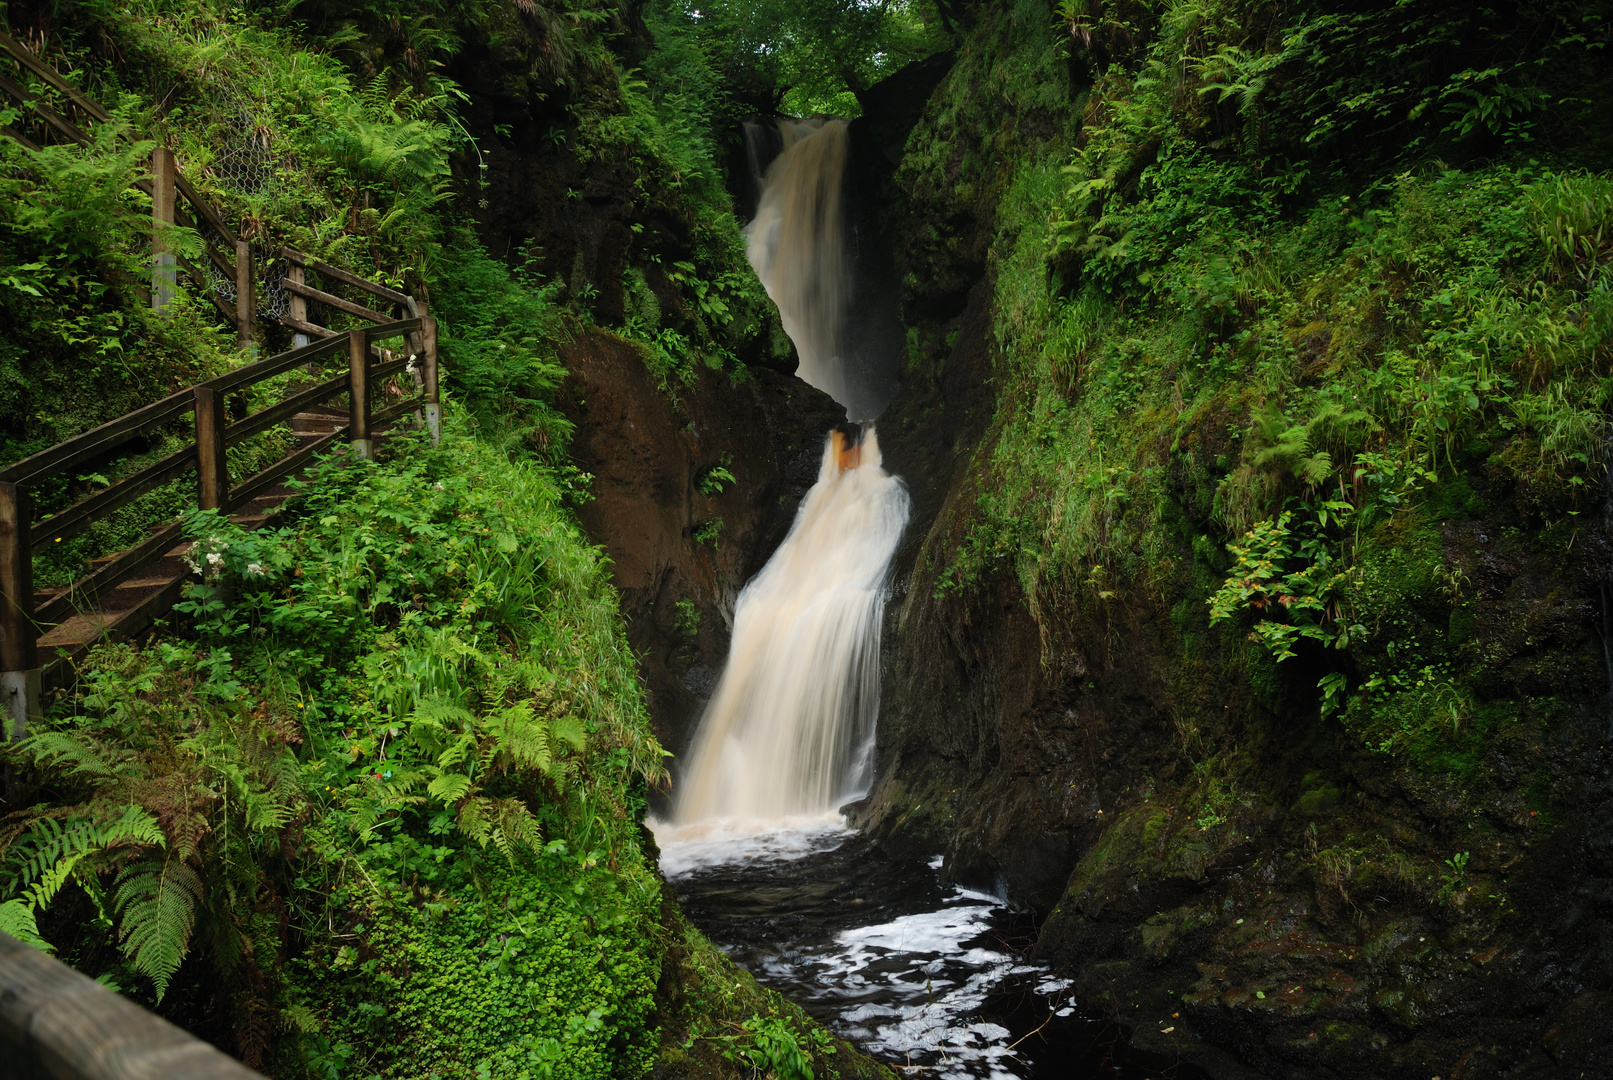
(801,245)
(789,728)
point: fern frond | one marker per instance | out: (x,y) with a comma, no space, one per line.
(567,728)
(449,788)
(521,737)
(517,827)
(58,747)
(156,904)
(17,919)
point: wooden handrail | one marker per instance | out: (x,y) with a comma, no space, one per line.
(95,442)
(55,1022)
(175,200)
(33,63)
(346,278)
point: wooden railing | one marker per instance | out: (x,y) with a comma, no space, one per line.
(173,199)
(56,1024)
(22,677)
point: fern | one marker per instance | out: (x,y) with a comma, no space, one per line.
(58,747)
(44,861)
(156,904)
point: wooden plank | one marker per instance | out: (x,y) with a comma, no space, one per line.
(74,1027)
(332,300)
(392,412)
(400,328)
(205,209)
(391,367)
(268,418)
(308,328)
(87,590)
(344,276)
(108,436)
(43,111)
(212,467)
(17,136)
(76,518)
(358,394)
(270,366)
(33,63)
(246,297)
(253,486)
(17,634)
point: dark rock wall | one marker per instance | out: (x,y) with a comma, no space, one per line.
(1068,758)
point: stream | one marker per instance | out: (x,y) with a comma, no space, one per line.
(917,973)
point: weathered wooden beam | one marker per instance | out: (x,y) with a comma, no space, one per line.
(27,59)
(112,434)
(57,1023)
(76,518)
(429,389)
(164,272)
(358,395)
(297,258)
(332,300)
(246,300)
(307,328)
(275,414)
(212,467)
(19,656)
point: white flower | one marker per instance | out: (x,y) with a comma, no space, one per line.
(215,558)
(254,569)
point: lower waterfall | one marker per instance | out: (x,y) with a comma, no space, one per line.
(789,728)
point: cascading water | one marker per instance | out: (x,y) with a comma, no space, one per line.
(874,944)
(801,246)
(788,728)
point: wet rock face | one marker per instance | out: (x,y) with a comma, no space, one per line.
(678,570)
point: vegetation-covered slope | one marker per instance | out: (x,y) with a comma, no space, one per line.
(370,803)
(1256,637)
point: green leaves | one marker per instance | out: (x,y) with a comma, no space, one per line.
(156,902)
(1290,578)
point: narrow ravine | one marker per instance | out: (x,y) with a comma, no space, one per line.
(924,975)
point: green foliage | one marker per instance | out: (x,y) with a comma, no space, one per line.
(709,532)
(686,621)
(156,905)
(712,480)
(807,58)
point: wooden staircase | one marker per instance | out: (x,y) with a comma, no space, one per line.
(43,633)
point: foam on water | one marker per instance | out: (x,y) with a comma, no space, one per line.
(907,986)
(724,841)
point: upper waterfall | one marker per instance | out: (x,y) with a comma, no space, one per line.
(801,245)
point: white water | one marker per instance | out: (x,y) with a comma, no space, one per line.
(909,986)
(788,731)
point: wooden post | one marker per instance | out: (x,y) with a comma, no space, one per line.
(246,301)
(297,307)
(164,272)
(212,467)
(358,393)
(433,403)
(19,652)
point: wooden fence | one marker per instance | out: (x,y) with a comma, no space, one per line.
(56,1024)
(174,201)
(42,634)
(22,675)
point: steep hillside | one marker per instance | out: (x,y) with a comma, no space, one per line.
(1256,395)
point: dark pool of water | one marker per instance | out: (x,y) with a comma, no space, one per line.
(916,972)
